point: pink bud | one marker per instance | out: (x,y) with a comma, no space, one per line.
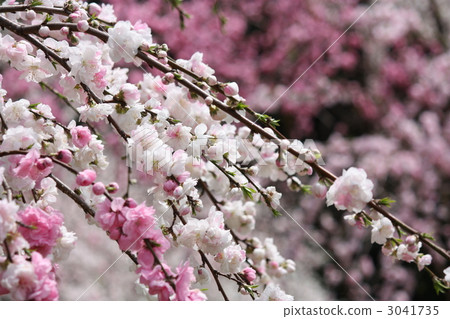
(209,100)
(64,156)
(94,9)
(82,25)
(112,188)
(411,240)
(81,136)
(169,186)
(75,16)
(130,202)
(30,15)
(44,163)
(162,54)
(64,31)
(168,78)
(86,177)
(183,176)
(319,190)
(98,188)
(211,80)
(44,31)
(231,89)
(250,274)
(184,210)
(178,191)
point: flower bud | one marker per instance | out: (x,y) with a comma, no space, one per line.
(64,156)
(44,31)
(250,274)
(231,89)
(211,80)
(82,25)
(44,163)
(209,100)
(319,190)
(64,31)
(98,188)
(112,188)
(30,15)
(94,9)
(86,177)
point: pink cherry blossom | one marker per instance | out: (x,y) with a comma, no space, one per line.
(156,282)
(42,228)
(81,136)
(46,288)
(32,166)
(137,225)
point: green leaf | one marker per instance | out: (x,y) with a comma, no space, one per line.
(385,201)
(35,3)
(247,191)
(241,106)
(427,236)
(231,173)
(439,286)
(306,189)
(276,213)
(48,18)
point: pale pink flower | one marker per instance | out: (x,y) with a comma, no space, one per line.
(447,275)
(423,261)
(86,177)
(8,213)
(351,191)
(123,41)
(231,259)
(404,254)
(382,229)
(19,278)
(274,293)
(131,94)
